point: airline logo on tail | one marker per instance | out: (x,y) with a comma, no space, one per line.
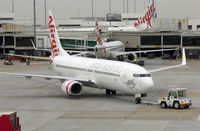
(98,34)
(147,17)
(54,48)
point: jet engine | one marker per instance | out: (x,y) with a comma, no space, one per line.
(72,87)
(131,57)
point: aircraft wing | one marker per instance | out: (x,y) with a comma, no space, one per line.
(77,53)
(85,82)
(144,51)
(32,57)
(170,67)
(81,47)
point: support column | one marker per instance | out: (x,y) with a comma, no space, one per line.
(181,44)
(45,13)
(14,37)
(34,21)
(4,45)
(162,44)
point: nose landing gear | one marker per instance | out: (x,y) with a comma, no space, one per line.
(138,98)
(110,92)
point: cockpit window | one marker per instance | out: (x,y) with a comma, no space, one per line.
(135,75)
(141,75)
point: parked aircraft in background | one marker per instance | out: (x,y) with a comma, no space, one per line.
(110,75)
(143,22)
(113,50)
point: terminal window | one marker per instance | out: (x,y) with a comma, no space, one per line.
(24,41)
(72,43)
(150,40)
(191,41)
(1,40)
(189,27)
(198,27)
(171,40)
(9,40)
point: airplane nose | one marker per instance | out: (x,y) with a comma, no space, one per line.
(148,83)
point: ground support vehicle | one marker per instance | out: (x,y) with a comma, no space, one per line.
(176,99)
(8,62)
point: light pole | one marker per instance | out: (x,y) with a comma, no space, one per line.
(92,8)
(45,13)
(34,20)
(135,5)
(127,6)
(109,6)
(13,8)
(123,6)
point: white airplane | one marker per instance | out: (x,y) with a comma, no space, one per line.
(110,75)
(115,50)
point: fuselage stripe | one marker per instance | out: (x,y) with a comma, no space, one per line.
(68,87)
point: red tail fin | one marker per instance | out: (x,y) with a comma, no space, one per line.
(147,17)
(56,47)
(98,34)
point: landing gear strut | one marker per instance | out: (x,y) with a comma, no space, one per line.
(138,98)
(110,92)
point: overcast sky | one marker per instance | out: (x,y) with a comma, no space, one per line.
(70,8)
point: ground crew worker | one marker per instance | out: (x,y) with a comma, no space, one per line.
(175,95)
(27,61)
(135,60)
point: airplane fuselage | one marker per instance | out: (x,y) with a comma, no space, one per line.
(108,50)
(113,75)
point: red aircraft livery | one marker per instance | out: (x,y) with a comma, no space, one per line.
(146,18)
(98,33)
(54,48)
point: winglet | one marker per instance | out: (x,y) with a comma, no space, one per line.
(183,57)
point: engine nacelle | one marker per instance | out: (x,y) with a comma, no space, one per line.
(131,57)
(72,87)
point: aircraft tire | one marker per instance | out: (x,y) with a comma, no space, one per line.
(113,92)
(108,92)
(163,105)
(137,100)
(176,105)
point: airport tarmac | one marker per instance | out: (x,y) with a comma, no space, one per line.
(41,105)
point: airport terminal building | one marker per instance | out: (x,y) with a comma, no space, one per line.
(165,33)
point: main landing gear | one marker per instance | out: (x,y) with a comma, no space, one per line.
(110,92)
